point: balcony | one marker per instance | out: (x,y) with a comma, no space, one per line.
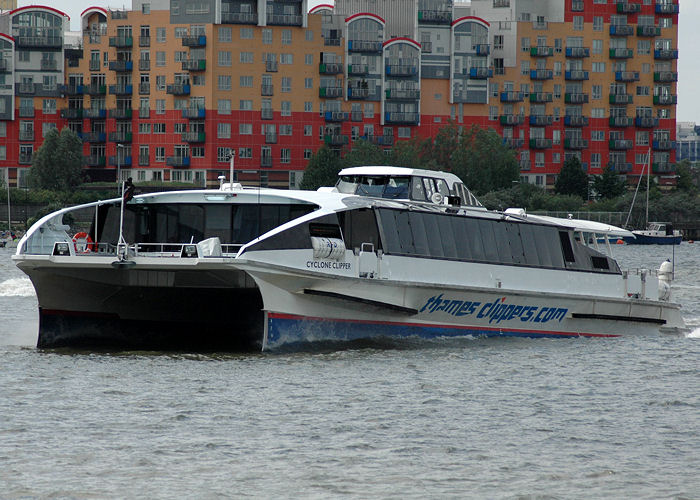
(541,74)
(577,5)
(578,52)
(266,161)
(401,69)
(335,116)
(358,93)
(540,97)
(513,143)
(144,64)
(26,112)
(73,89)
(178,161)
(270,138)
(120,161)
(541,51)
(121,66)
(266,114)
(121,89)
(72,114)
(267,90)
(576,75)
(666,9)
(621,30)
(621,121)
(331,68)
(194,41)
(336,140)
(621,144)
(379,140)
(626,76)
(663,167)
(575,121)
(120,136)
(575,98)
(621,53)
(665,100)
(25,158)
(94,137)
(364,46)
(193,113)
(121,42)
(541,120)
(540,143)
(358,69)
(144,88)
(663,145)
(271,66)
(26,135)
(284,19)
(665,54)
(621,99)
(434,16)
(650,30)
(26,88)
(512,120)
(512,96)
(426,47)
(540,25)
(665,76)
(576,143)
(646,122)
(239,17)
(95,113)
(48,65)
(178,89)
(401,117)
(194,137)
(95,161)
(4,65)
(144,41)
(331,41)
(628,8)
(194,65)
(480,73)
(330,92)
(403,94)
(482,49)
(121,113)
(620,167)
(39,42)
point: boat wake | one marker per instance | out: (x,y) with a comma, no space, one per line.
(17,287)
(695,334)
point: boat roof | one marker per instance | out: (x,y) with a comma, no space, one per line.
(582,225)
(385,170)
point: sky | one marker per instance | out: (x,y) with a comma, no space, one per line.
(688,109)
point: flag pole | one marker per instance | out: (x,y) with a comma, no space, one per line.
(121,246)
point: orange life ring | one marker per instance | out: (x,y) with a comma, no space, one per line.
(83,243)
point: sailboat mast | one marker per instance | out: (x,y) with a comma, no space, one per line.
(646,222)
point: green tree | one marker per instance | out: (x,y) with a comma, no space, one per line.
(322,169)
(572,179)
(609,184)
(58,163)
(686,174)
(363,153)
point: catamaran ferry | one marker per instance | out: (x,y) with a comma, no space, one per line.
(389,251)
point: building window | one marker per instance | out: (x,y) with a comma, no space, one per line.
(539,160)
(160,35)
(160,154)
(224,82)
(597,47)
(224,58)
(225,34)
(160,106)
(180,32)
(286,58)
(223,154)
(285,155)
(309,36)
(159,128)
(223,130)
(643,47)
(286,108)
(286,84)
(245,105)
(245,128)
(598,135)
(285,129)
(180,56)
(308,130)
(267,36)
(246,81)
(286,37)
(369,110)
(223,106)
(246,33)
(597,92)
(308,59)
(49,106)
(307,154)
(598,67)
(246,57)
(144,128)
(245,153)
(578,23)
(404,132)
(160,58)
(595,160)
(308,83)
(597,23)
(308,106)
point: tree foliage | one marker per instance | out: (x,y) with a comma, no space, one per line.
(322,169)
(688,177)
(572,179)
(58,163)
(609,184)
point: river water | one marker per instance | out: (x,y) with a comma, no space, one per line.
(481,418)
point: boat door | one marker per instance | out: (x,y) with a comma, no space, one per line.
(368,261)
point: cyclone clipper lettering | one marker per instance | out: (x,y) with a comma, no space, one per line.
(324,264)
(495,311)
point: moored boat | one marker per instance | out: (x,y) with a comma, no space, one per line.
(656,233)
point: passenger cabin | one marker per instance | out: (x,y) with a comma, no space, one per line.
(401,183)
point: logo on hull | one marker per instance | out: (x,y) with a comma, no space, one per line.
(495,311)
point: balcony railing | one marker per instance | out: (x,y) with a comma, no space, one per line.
(25,158)
(541,51)
(331,41)
(541,97)
(266,114)
(575,121)
(403,94)
(194,65)
(480,73)
(271,66)
(94,113)
(178,89)
(578,52)
(95,161)
(335,116)
(144,88)
(649,30)
(94,137)
(627,76)
(482,49)
(144,41)
(541,74)
(121,113)
(271,138)
(401,117)
(665,76)
(621,144)
(541,120)
(336,139)
(26,88)
(47,42)
(330,68)
(144,64)
(72,89)
(239,17)
(95,65)
(665,54)
(576,143)
(540,143)
(26,112)
(178,161)
(364,46)
(576,75)
(513,143)
(620,121)
(511,120)
(621,166)
(621,30)
(49,65)
(194,113)
(26,135)
(663,145)
(512,96)
(379,140)
(120,161)
(284,19)
(621,53)
(267,90)
(194,41)
(401,69)
(575,98)
(358,93)
(194,137)
(329,92)
(266,161)
(646,122)
(435,16)
(121,89)
(665,100)
(121,41)
(621,99)
(666,9)
(358,69)
(72,113)
(628,8)
(120,136)
(121,66)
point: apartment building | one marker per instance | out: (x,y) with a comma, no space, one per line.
(167,90)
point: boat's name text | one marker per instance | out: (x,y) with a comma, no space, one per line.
(495,311)
(325,264)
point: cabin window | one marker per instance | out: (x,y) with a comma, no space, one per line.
(417,191)
(566,246)
(359,226)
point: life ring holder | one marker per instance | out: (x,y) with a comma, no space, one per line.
(83,243)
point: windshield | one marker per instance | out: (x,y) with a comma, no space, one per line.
(380,186)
